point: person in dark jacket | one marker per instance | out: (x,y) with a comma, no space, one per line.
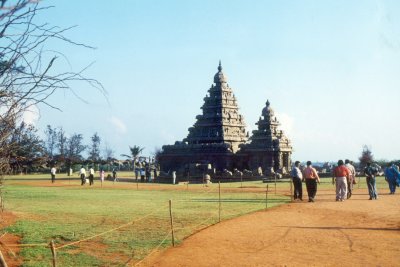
(370,173)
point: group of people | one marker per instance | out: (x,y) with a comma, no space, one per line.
(82,173)
(310,176)
(343,176)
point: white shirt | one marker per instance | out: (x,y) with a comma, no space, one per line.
(351,169)
(91,171)
(53,171)
(82,171)
(296,173)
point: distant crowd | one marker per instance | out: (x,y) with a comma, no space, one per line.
(344,177)
(144,171)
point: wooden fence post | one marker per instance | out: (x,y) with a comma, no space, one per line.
(1,201)
(291,190)
(266,198)
(275,184)
(53,252)
(3,262)
(241,180)
(219,197)
(172,223)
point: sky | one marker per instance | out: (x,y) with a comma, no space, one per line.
(331,70)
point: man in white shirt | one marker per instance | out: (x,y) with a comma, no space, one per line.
(53,174)
(82,172)
(91,175)
(351,179)
(297,178)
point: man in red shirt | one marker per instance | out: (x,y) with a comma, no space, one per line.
(340,174)
(311,177)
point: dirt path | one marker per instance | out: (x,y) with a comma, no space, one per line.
(10,254)
(357,232)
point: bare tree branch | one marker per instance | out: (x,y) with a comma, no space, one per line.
(27,73)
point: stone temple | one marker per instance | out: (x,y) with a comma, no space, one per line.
(218,137)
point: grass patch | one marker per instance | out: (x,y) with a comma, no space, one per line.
(69,212)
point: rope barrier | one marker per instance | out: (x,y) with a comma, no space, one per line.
(156,248)
(108,231)
(195,227)
(199,195)
(28,245)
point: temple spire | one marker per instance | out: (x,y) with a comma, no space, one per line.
(220,77)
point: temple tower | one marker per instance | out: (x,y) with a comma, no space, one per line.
(269,147)
(218,137)
(215,136)
(220,122)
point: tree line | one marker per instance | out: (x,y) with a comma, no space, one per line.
(32,153)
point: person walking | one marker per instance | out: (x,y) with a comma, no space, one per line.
(370,173)
(114,173)
(53,174)
(82,173)
(341,175)
(352,178)
(297,179)
(101,176)
(142,174)
(91,175)
(311,177)
(391,176)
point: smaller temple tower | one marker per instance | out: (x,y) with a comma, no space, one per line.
(269,148)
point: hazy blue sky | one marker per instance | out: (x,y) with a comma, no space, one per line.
(331,70)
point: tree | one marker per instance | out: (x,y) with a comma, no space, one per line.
(61,143)
(51,140)
(108,153)
(135,152)
(75,148)
(94,153)
(366,156)
(28,148)
(28,76)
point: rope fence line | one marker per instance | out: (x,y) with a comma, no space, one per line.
(28,245)
(154,250)
(206,222)
(202,222)
(197,225)
(108,231)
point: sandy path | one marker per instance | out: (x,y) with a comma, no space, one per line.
(357,232)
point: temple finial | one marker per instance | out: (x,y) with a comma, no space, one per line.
(267,103)
(219,66)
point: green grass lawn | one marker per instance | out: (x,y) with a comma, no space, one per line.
(70,213)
